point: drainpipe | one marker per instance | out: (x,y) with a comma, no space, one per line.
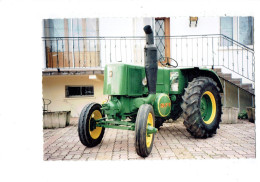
(238,99)
(224,93)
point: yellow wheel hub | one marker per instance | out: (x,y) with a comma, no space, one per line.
(97,131)
(149,137)
(208,107)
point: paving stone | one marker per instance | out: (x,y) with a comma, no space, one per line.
(232,141)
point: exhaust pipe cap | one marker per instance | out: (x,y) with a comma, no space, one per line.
(148,29)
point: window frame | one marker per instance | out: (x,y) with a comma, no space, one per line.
(78,96)
(166,29)
(236,33)
(233,32)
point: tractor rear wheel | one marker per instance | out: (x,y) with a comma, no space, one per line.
(202,107)
(89,134)
(143,141)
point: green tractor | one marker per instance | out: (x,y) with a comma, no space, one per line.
(141,98)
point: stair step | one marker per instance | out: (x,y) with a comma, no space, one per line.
(236,81)
(217,70)
(247,86)
(226,76)
(251,90)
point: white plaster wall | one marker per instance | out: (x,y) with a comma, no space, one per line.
(206,25)
(115,27)
(126,50)
(123,26)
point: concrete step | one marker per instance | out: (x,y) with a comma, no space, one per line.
(225,76)
(248,87)
(236,81)
(217,70)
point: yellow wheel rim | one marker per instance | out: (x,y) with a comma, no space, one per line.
(96,132)
(149,137)
(208,107)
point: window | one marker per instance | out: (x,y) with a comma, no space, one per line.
(162,28)
(54,28)
(79,91)
(160,42)
(76,31)
(237,28)
(92,31)
(92,27)
(246,30)
(226,28)
(74,28)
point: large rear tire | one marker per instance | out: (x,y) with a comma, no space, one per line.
(202,107)
(143,141)
(90,135)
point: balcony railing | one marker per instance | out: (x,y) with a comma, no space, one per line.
(188,50)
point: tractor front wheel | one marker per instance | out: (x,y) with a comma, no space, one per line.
(143,140)
(202,107)
(89,134)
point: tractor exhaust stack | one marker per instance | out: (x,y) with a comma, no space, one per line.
(150,59)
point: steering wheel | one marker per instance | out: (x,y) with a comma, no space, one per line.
(167,64)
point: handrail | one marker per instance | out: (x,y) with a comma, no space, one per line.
(237,42)
(143,37)
(188,50)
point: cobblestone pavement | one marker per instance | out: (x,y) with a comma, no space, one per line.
(232,141)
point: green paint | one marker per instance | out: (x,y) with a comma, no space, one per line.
(205,107)
(162,105)
(123,83)
(173,98)
(145,100)
(194,72)
(179,79)
(123,79)
(123,125)
(151,130)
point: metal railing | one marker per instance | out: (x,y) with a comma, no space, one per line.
(46,103)
(89,52)
(214,51)
(188,50)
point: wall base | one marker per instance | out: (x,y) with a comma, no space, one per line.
(229,115)
(251,114)
(59,119)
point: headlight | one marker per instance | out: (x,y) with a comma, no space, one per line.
(144,81)
(110,73)
(174,81)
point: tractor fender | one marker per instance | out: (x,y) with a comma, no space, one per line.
(194,72)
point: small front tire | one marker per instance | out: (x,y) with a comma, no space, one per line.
(143,141)
(89,135)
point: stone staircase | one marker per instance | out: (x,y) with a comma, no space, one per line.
(235,81)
